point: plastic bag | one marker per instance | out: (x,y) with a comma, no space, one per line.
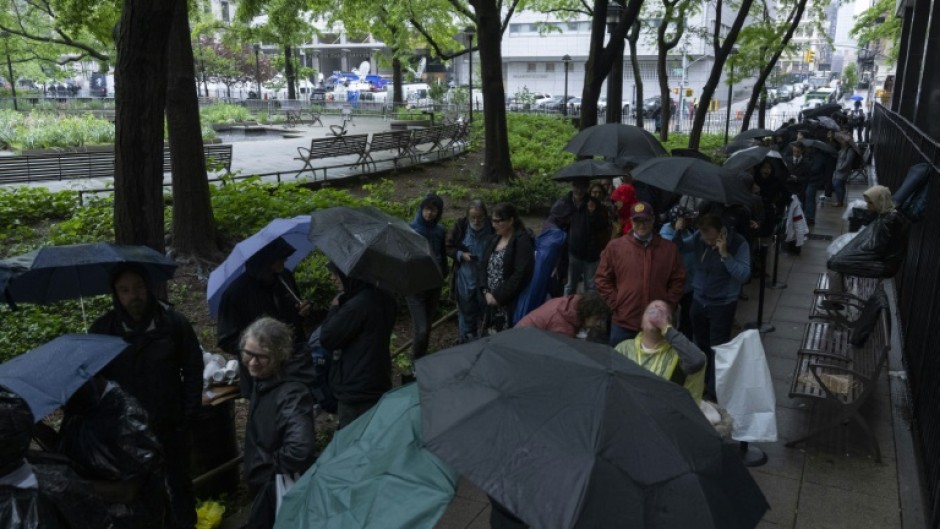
(209,515)
(745,389)
(836,245)
(853,205)
(877,251)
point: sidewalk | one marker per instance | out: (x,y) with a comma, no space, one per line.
(829,482)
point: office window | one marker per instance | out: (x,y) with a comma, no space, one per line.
(549,67)
(225,14)
(530,67)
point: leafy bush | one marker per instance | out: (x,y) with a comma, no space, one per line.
(527,193)
(42,131)
(33,325)
(92,223)
(537,143)
(224,113)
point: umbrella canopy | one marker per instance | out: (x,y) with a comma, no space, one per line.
(373,474)
(746,158)
(857,97)
(367,244)
(820,146)
(823,110)
(587,169)
(828,123)
(619,143)
(54,273)
(292,231)
(567,433)
(736,146)
(48,375)
(695,178)
(754,133)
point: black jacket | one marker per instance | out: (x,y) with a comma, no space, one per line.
(162,368)
(358,331)
(583,227)
(279,434)
(249,298)
(518,265)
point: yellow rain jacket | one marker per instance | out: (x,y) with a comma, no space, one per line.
(663,361)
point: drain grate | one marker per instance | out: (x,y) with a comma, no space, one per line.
(818,237)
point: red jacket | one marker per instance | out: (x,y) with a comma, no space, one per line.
(630,276)
(557,315)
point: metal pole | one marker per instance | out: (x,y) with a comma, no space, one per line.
(681,94)
(470,76)
(730,89)
(566,59)
(759,324)
(258,69)
(774,284)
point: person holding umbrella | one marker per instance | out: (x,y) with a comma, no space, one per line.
(507,265)
(423,305)
(465,244)
(636,269)
(358,329)
(582,218)
(844,163)
(816,181)
(163,370)
(280,441)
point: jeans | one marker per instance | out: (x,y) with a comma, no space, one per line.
(577,270)
(838,187)
(711,326)
(619,334)
(809,204)
(470,307)
(423,307)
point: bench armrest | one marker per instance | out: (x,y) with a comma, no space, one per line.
(301,151)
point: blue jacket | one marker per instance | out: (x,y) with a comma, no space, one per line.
(718,281)
(687,252)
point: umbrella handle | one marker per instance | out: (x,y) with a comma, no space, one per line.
(291,292)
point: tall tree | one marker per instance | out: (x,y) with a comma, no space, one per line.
(721,49)
(878,23)
(668,34)
(633,37)
(286,25)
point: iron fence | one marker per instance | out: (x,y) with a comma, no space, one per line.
(898,145)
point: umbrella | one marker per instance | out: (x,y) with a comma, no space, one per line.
(587,169)
(374,473)
(292,231)
(567,433)
(747,158)
(367,244)
(695,178)
(736,146)
(691,153)
(829,123)
(753,133)
(616,142)
(857,97)
(54,273)
(820,146)
(823,110)
(48,375)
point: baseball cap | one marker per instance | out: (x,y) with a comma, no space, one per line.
(641,210)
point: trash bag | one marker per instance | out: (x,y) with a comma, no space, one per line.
(745,389)
(209,515)
(69,497)
(877,251)
(911,198)
(16,423)
(836,245)
(320,385)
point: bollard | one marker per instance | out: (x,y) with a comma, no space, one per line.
(761,327)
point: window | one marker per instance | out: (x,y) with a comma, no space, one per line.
(572,27)
(225,13)
(549,67)
(648,70)
(530,67)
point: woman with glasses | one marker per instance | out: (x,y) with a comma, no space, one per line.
(465,245)
(506,266)
(279,434)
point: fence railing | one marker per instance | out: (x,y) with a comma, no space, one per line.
(898,145)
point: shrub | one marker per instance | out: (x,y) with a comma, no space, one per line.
(224,113)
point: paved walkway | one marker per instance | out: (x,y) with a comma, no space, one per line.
(830,482)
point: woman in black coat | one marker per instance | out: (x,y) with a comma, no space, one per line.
(506,266)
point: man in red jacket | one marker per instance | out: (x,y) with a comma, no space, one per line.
(576,316)
(636,269)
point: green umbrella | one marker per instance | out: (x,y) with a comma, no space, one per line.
(374,473)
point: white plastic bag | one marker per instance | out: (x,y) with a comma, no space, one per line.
(836,245)
(745,388)
(857,203)
(283,483)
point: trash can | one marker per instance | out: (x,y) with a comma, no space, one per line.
(214,444)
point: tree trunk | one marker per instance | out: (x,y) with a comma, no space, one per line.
(721,56)
(497,164)
(290,73)
(397,98)
(193,223)
(632,37)
(762,111)
(140,100)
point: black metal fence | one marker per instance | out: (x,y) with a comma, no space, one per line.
(898,145)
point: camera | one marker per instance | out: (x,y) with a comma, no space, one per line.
(681,212)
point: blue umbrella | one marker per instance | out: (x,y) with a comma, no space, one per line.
(54,273)
(375,473)
(293,231)
(48,375)
(857,97)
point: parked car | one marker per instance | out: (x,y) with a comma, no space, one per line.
(556,103)
(773,97)
(602,104)
(574,106)
(652,104)
(516,104)
(785,92)
(540,99)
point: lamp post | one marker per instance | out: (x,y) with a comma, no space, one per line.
(470,31)
(734,51)
(6,38)
(566,59)
(615,78)
(257,48)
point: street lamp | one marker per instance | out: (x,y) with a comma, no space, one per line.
(257,48)
(566,59)
(734,51)
(470,31)
(6,38)
(615,78)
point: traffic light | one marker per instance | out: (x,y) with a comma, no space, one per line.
(809,55)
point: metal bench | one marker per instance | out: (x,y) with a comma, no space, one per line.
(841,306)
(399,141)
(831,369)
(331,147)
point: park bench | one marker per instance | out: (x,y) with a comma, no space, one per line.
(842,306)
(331,147)
(461,132)
(88,163)
(399,141)
(430,135)
(837,366)
(408,124)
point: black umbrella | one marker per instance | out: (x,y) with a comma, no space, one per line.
(747,158)
(695,178)
(54,273)
(820,146)
(368,244)
(48,375)
(691,153)
(822,110)
(754,133)
(829,123)
(567,433)
(616,142)
(587,169)
(736,146)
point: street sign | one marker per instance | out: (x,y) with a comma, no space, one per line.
(677,72)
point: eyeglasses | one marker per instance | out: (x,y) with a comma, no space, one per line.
(258,357)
